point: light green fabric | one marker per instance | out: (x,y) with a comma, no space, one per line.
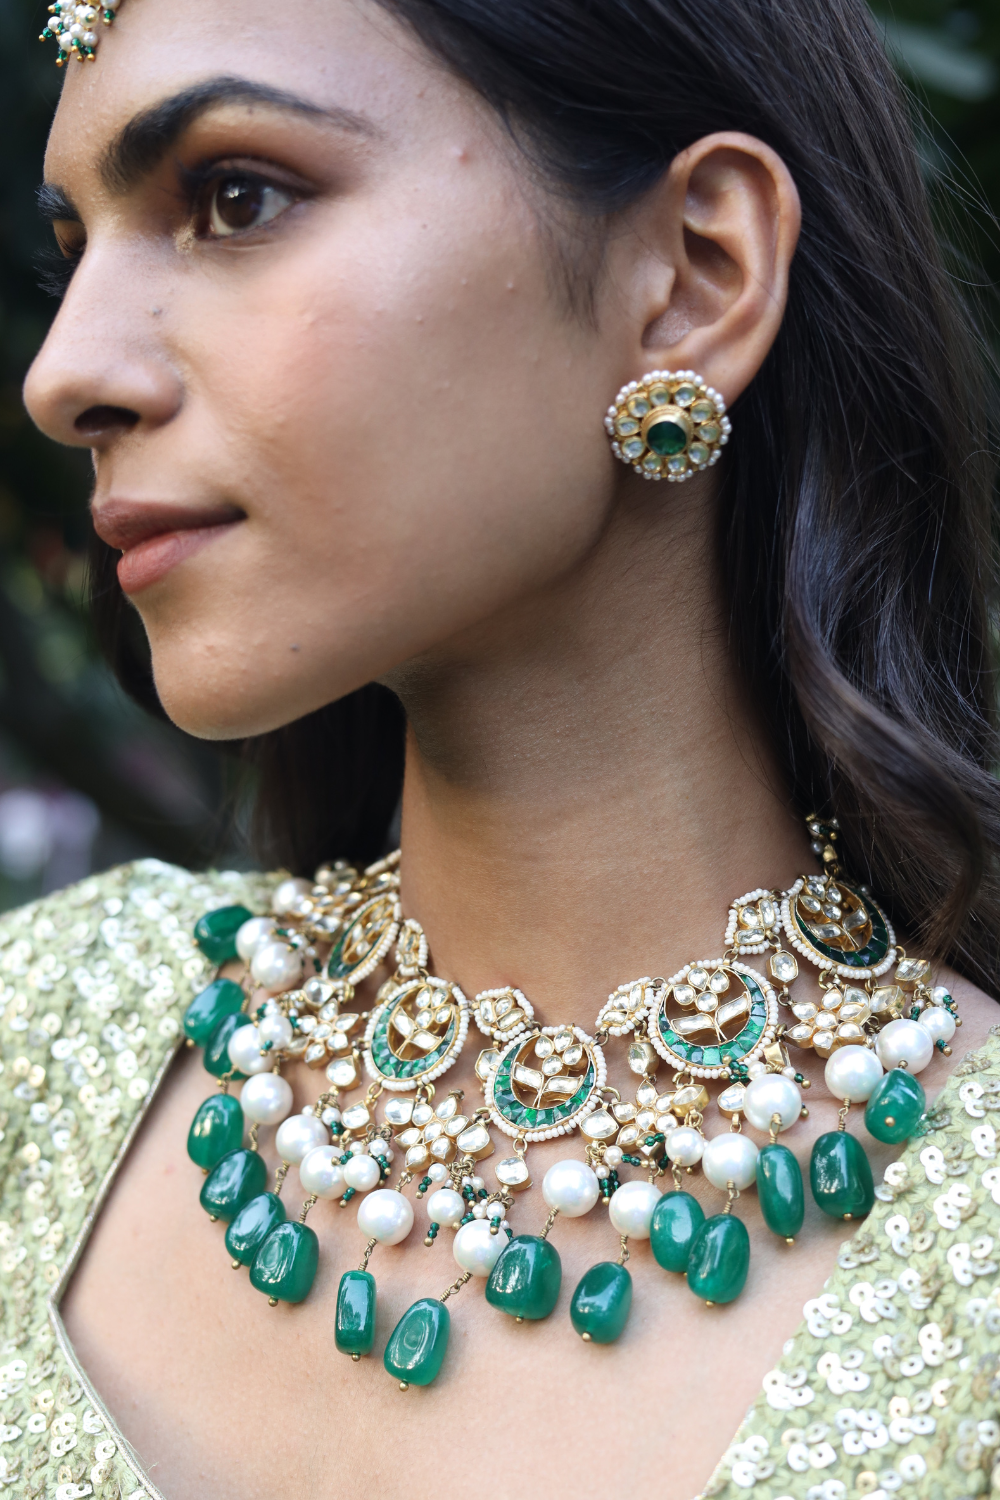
(891,1384)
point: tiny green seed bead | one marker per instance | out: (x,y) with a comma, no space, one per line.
(354,1329)
(780,1190)
(216,1129)
(418,1343)
(600,1305)
(840,1176)
(215,932)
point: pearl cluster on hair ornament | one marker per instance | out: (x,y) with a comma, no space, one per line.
(74,27)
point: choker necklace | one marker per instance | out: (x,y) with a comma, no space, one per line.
(718,1022)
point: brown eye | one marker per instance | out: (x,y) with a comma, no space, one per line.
(240,203)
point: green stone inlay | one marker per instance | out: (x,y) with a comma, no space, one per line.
(336,966)
(216,1054)
(736,1047)
(354,1329)
(216,1129)
(865,958)
(526,1279)
(720,1259)
(395,1067)
(215,932)
(252,1225)
(601,1303)
(667,437)
(236,1179)
(676,1220)
(840,1176)
(418,1343)
(220,999)
(780,1190)
(527,1116)
(896,1107)
(285,1265)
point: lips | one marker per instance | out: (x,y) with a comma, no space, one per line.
(154,536)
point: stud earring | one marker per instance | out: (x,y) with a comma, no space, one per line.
(668,425)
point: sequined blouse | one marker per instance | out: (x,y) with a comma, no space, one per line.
(892,1382)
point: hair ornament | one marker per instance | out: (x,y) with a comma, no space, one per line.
(73,27)
(668,425)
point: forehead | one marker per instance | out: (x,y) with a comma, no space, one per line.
(339,54)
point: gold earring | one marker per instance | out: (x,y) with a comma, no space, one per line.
(668,425)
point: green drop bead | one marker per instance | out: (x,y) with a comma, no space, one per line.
(896,1107)
(354,1330)
(215,932)
(601,1303)
(720,1259)
(252,1225)
(236,1179)
(676,1220)
(284,1267)
(216,1053)
(216,1129)
(526,1279)
(840,1176)
(780,1190)
(418,1343)
(221,998)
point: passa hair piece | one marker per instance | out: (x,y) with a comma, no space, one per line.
(73,26)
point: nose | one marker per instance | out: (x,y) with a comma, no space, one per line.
(103,371)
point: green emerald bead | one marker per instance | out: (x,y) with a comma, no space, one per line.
(526,1279)
(840,1176)
(216,1054)
(284,1267)
(667,437)
(600,1306)
(418,1343)
(354,1329)
(252,1225)
(780,1190)
(215,932)
(222,998)
(216,1129)
(676,1220)
(720,1259)
(236,1179)
(895,1107)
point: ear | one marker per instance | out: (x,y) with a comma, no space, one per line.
(712,247)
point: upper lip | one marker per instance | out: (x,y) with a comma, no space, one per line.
(126,523)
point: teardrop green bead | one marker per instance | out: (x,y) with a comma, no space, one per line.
(418,1343)
(216,1129)
(601,1303)
(840,1176)
(720,1259)
(216,1054)
(252,1225)
(284,1267)
(781,1191)
(215,932)
(220,999)
(676,1220)
(234,1180)
(526,1279)
(896,1107)
(354,1329)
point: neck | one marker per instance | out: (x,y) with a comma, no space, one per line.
(586,787)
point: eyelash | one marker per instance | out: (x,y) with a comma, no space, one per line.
(55,268)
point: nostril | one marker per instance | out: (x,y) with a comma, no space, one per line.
(100,421)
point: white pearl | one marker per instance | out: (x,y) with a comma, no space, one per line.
(321,1173)
(276,966)
(298,1135)
(251,935)
(685,1146)
(266,1098)
(477,1183)
(730,1158)
(938,1023)
(438,1172)
(613,1155)
(288,894)
(769,1096)
(905,1041)
(276,1029)
(631,1208)
(479,1211)
(385,1216)
(244,1051)
(757,1069)
(362,1173)
(477,1248)
(446,1207)
(381,1149)
(852,1073)
(356,1148)
(571,1187)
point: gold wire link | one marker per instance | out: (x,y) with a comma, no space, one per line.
(775,1127)
(675,1172)
(280,1175)
(842,1116)
(456,1286)
(254,1128)
(732,1193)
(623,1257)
(553,1215)
(307,1205)
(367,1255)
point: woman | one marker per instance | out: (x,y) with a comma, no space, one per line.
(350,290)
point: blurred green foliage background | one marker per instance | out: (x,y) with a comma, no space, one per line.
(86,779)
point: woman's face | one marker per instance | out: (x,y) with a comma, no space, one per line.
(340,410)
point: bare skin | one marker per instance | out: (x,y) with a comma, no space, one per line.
(386,419)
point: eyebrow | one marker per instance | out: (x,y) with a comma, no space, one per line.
(141,144)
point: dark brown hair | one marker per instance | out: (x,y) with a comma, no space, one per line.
(858,489)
